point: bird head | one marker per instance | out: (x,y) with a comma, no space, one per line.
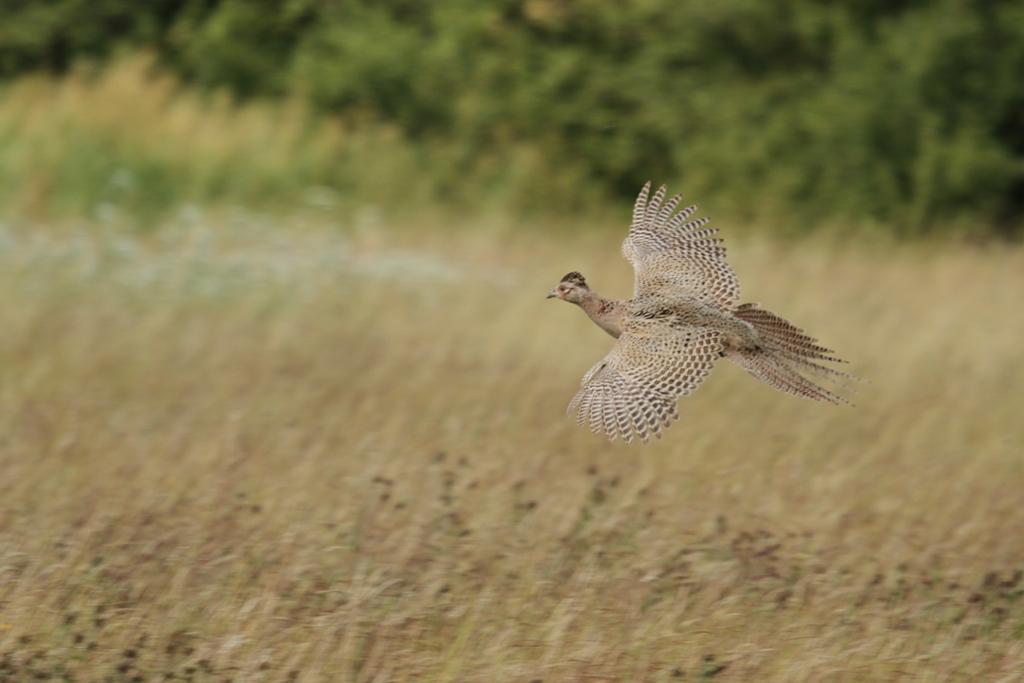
(571,288)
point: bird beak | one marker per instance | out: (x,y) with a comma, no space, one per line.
(551,295)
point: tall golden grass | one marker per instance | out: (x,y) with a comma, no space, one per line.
(253,452)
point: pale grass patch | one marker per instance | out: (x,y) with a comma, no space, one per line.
(249,453)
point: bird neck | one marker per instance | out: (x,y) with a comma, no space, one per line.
(607,313)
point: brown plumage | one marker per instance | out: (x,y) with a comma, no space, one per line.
(681,319)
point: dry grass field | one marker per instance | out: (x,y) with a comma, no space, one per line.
(302,453)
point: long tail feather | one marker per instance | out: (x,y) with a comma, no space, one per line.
(785,352)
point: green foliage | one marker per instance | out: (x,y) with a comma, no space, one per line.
(134,145)
(905,113)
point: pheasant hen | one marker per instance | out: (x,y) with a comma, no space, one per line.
(682,319)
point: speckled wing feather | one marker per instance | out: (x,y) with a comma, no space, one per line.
(670,253)
(635,388)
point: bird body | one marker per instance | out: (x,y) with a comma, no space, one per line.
(681,319)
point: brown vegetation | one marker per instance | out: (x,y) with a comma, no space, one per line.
(266,455)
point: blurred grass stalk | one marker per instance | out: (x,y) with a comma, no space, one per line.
(134,144)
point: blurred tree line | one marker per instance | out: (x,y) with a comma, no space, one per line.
(907,113)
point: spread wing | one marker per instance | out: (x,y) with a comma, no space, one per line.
(674,256)
(635,388)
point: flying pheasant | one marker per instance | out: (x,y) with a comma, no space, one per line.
(680,320)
